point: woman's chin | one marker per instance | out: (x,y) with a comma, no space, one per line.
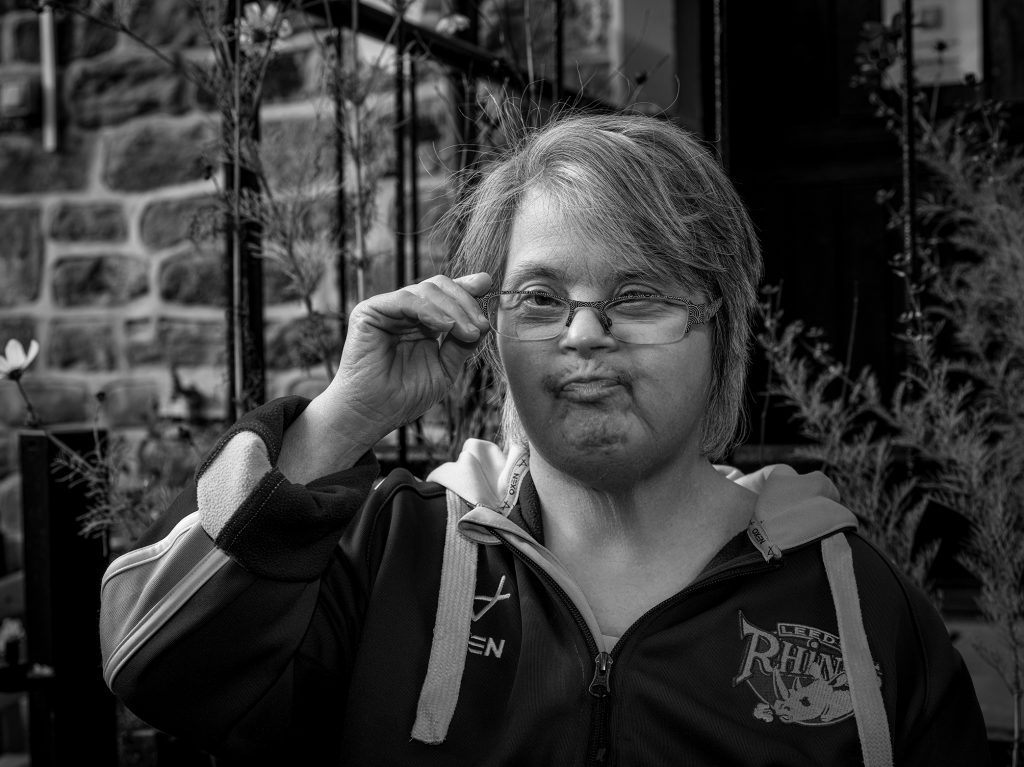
(595,457)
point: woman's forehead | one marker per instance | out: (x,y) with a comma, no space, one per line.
(555,242)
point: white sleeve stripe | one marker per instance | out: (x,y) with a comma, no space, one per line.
(163,611)
(148,553)
(229,480)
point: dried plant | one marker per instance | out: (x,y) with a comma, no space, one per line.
(950,434)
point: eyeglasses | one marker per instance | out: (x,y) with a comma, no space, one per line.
(636,318)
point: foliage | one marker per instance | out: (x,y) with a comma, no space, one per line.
(129,482)
(949,435)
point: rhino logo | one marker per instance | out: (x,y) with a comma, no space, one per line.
(796,672)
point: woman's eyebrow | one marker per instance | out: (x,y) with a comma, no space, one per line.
(534,271)
(547,272)
(633,275)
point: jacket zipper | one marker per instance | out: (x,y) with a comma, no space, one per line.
(600,688)
(600,683)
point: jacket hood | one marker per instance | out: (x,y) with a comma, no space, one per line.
(791,510)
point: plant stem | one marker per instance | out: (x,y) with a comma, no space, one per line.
(1015,748)
(357,159)
(532,85)
(32,420)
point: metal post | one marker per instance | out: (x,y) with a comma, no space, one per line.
(71,712)
(719,62)
(414,185)
(908,140)
(245,342)
(465,91)
(339,161)
(559,48)
(400,192)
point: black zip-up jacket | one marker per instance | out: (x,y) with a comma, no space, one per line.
(413,622)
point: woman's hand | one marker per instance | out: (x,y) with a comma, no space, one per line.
(402,353)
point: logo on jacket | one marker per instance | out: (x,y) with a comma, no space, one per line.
(490,600)
(485,645)
(797,673)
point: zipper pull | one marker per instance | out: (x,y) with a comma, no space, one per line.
(599,685)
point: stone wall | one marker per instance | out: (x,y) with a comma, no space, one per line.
(110,254)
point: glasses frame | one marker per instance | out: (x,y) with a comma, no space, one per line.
(696,314)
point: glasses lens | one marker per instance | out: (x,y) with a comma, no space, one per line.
(527,316)
(533,316)
(647,320)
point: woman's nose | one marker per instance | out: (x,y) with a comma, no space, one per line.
(586,332)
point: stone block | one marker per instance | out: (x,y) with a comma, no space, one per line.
(116,88)
(89,222)
(21,254)
(131,402)
(173,24)
(23,31)
(286,77)
(27,168)
(298,152)
(141,345)
(300,343)
(8,463)
(85,345)
(85,39)
(21,328)
(168,222)
(17,5)
(179,342)
(159,152)
(195,278)
(55,401)
(99,280)
(8,450)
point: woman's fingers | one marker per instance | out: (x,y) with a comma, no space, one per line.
(404,348)
(438,305)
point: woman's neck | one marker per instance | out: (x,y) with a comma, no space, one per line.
(685,506)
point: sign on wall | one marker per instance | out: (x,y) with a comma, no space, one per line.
(947,40)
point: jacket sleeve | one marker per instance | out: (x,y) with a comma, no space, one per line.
(947,726)
(232,621)
(933,709)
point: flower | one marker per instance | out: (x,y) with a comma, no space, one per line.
(262,24)
(452,24)
(15,360)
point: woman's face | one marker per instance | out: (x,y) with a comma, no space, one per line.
(600,410)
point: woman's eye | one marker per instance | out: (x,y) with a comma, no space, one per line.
(541,300)
(635,290)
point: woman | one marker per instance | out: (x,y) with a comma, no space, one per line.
(597,592)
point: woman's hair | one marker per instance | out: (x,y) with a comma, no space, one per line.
(653,194)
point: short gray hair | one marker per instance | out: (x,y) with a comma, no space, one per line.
(656,194)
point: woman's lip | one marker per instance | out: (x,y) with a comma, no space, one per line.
(589,389)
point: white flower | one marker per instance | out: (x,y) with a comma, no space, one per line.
(15,360)
(452,24)
(261,25)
